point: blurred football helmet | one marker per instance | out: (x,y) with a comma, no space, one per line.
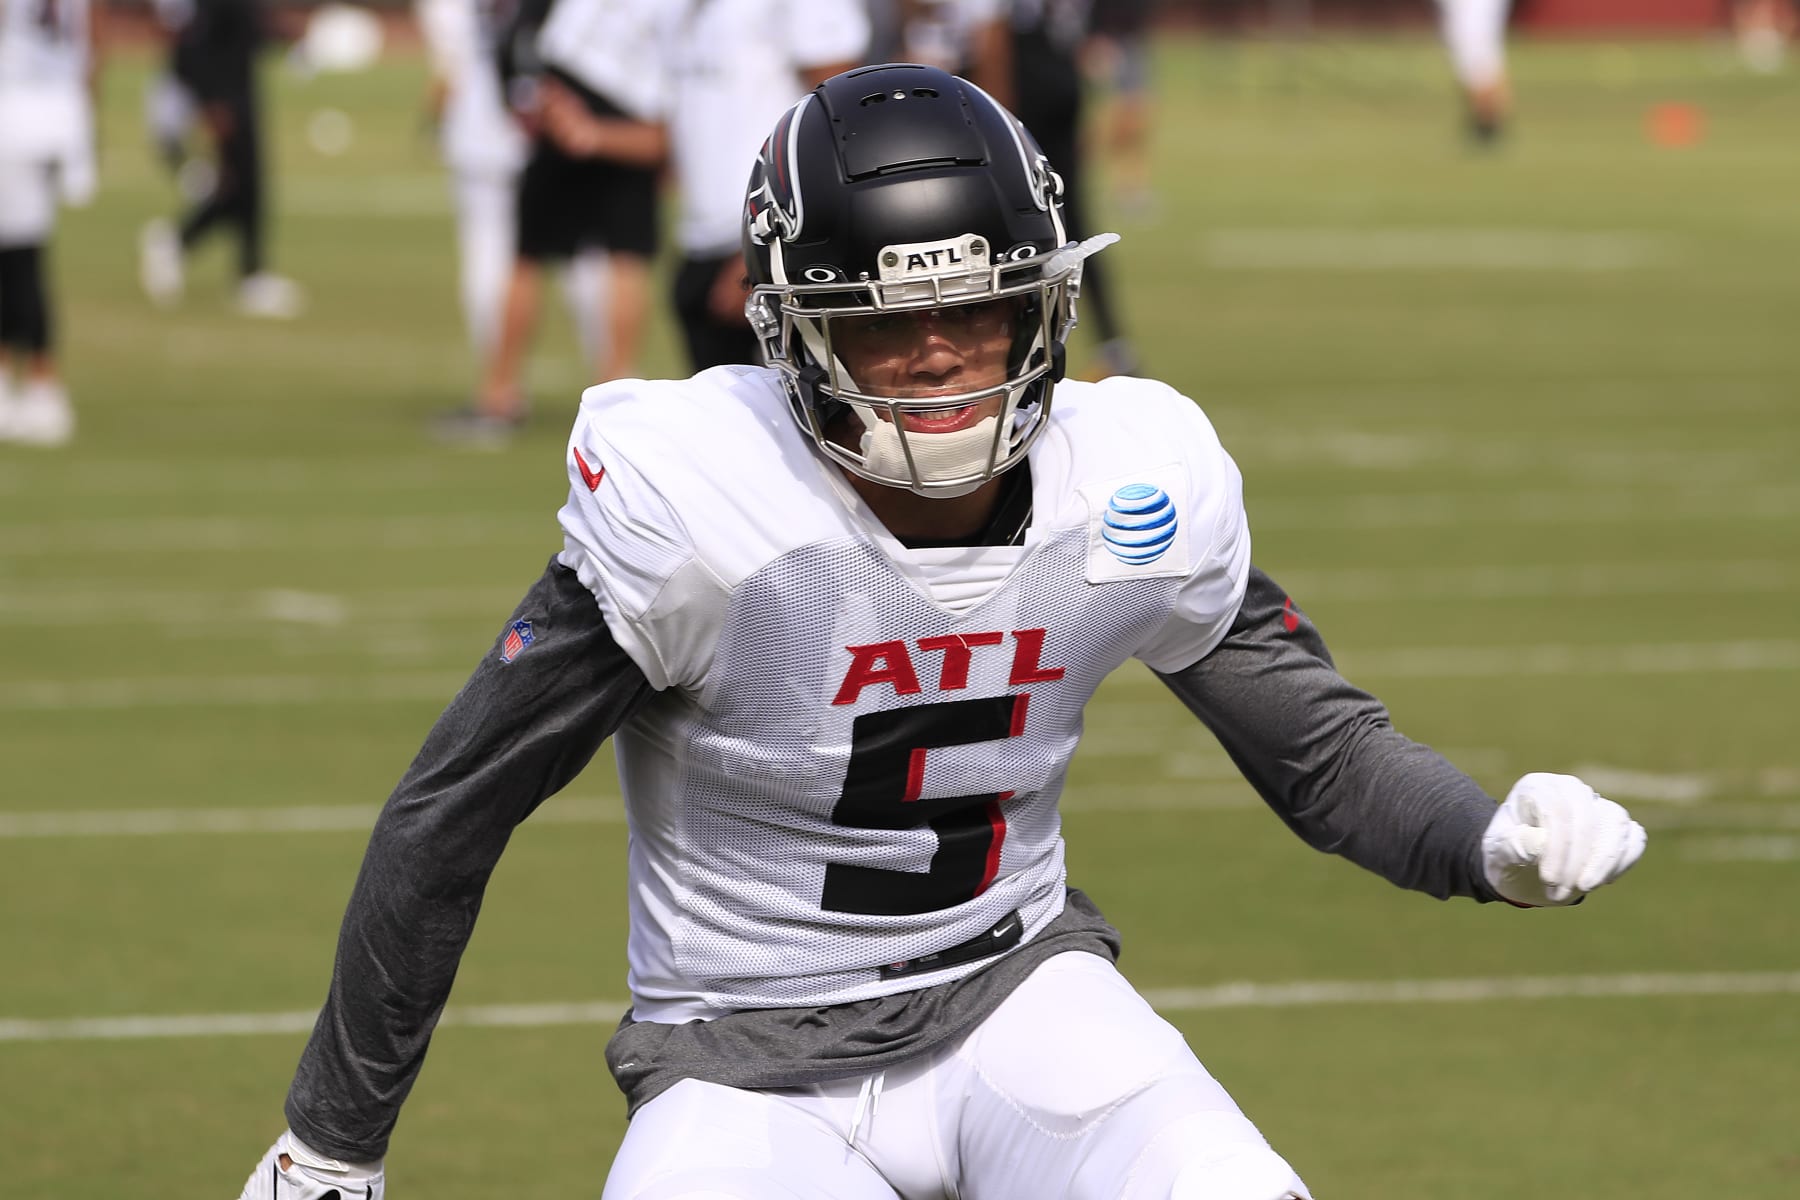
(900,190)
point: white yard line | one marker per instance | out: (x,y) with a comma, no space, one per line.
(1425,662)
(216,691)
(161,535)
(1748,848)
(1315,993)
(84,537)
(1451,991)
(65,606)
(1433,249)
(306,818)
(1667,658)
(406,196)
(1153,796)
(1611,506)
(1502,582)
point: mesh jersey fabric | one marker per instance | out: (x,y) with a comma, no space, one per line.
(840,772)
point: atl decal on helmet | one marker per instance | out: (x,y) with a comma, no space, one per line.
(1139,524)
(518,636)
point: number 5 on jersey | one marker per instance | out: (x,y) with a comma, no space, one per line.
(885,776)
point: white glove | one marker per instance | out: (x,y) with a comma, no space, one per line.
(1553,841)
(311,1177)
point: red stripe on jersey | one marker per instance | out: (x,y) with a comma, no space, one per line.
(1018,714)
(915,774)
(997,819)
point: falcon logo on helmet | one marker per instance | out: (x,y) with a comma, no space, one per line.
(772,206)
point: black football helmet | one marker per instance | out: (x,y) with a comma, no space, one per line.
(899,188)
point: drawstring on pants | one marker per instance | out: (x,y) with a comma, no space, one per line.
(867,1100)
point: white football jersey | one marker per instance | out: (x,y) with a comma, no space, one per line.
(615,48)
(856,751)
(940,33)
(736,66)
(45,112)
(43,42)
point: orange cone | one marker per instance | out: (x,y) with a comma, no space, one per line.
(1675,125)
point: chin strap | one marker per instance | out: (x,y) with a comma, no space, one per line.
(936,456)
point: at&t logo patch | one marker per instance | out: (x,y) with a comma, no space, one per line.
(1139,525)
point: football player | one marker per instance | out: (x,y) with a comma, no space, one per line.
(47,65)
(841,615)
(734,66)
(597,70)
(214,57)
(484,148)
(1474,33)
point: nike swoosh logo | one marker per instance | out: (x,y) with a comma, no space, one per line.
(589,476)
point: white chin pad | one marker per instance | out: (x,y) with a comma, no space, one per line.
(956,454)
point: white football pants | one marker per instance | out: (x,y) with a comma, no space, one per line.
(486,220)
(27,202)
(484,243)
(1074,1088)
(1474,31)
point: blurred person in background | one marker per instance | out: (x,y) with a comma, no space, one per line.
(484,147)
(1119,57)
(971,38)
(214,56)
(49,64)
(589,78)
(842,615)
(736,64)
(1763,29)
(171,113)
(1028,55)
(1474,32)
(1048,40)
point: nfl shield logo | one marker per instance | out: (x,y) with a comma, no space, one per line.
(518,636)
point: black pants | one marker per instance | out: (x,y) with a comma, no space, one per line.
(24,300)
(237,198)
(1048,82)
(710,341)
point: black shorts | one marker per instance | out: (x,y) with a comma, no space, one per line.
(710,342)
(567,205)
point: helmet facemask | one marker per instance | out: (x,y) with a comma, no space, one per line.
(900,192)
(874,427)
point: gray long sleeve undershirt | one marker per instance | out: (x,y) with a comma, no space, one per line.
(514,735)
(1321,753)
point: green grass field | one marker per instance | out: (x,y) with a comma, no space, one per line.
(1521,430)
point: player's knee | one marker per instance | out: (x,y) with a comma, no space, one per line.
(1247,1173)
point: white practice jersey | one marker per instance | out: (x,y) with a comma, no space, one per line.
(941,33)
(477,134)
(615,48)
(856,751)
(45,112)
(43,42)
(736,66)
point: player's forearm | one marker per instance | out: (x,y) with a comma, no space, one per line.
(1324,756)
(516,734)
